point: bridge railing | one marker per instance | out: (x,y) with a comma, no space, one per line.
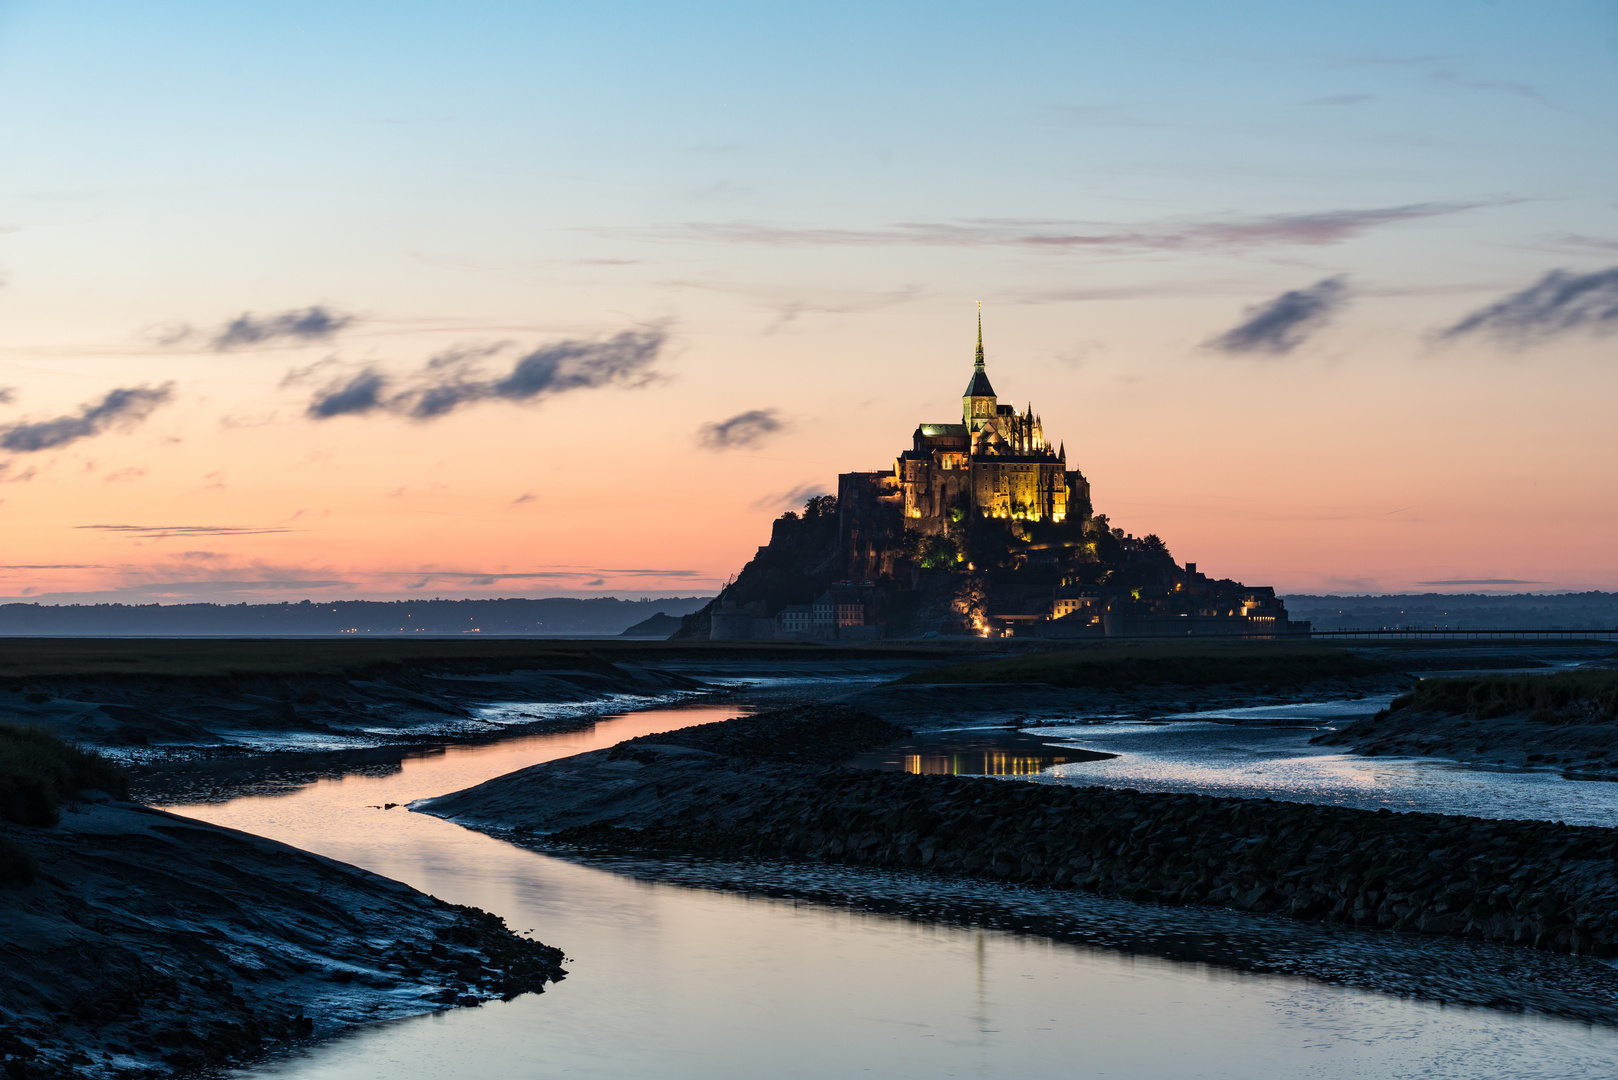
(1448,633)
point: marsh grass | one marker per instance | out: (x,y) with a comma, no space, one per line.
(39,772)
(1564,697)
(1123,666)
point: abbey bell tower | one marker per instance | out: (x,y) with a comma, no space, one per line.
(977,404)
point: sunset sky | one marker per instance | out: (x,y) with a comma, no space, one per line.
(354,299)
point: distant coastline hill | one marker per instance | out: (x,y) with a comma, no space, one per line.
(555,616)
(661,625)
(1461,611)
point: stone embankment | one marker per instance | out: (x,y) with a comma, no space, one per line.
(1539,884)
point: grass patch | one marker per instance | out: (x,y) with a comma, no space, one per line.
(1122,666)
(1565,697)
(18,868)
(39,772)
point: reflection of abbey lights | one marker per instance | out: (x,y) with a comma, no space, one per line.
(981,763)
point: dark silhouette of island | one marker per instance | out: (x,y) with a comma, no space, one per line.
(555,616)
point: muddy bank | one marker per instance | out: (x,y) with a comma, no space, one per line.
(1145,679)
(925,707)
(151,944)
(1539,884)
(1567,720)
(142,716)
(725,767)
(1585,751)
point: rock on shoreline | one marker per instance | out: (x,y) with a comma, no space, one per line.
(151,944)
(1540,884)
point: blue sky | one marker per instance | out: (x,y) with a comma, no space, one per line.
(803,202)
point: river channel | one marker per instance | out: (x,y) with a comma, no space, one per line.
(673,977)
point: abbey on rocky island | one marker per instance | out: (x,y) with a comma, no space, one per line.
(978,528)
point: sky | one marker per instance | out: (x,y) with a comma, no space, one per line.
(383,300)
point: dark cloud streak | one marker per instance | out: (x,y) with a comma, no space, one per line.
(360,394)
(450,382)
(124,406)
(743,429)
(314,323)
(1561,302)
(1282,324)
(160,532)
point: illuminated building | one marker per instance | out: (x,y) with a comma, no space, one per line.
(995,463)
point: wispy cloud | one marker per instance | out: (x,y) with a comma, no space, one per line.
(1235,231)
(160,532)
(1589,243)
(743,429)
(1278,326)
(300,326)
(453,380)
(122,407)
(1561,302)
(8,394)
(1482,581)
(363,392)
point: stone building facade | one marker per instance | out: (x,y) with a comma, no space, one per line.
(995,463)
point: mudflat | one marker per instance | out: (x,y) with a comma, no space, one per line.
(153,944)
(162,700)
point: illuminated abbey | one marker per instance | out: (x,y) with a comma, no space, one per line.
(994,463)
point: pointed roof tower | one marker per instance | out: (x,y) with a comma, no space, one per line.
(979,387)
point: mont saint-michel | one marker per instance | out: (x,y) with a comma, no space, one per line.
(980,527)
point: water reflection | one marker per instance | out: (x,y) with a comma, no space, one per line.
(980,753)
(1261,761)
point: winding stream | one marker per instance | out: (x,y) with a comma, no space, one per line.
(670,980)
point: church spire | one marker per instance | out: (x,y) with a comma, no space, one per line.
(978,403)
(979,364)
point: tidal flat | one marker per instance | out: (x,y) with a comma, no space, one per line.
(346,803)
